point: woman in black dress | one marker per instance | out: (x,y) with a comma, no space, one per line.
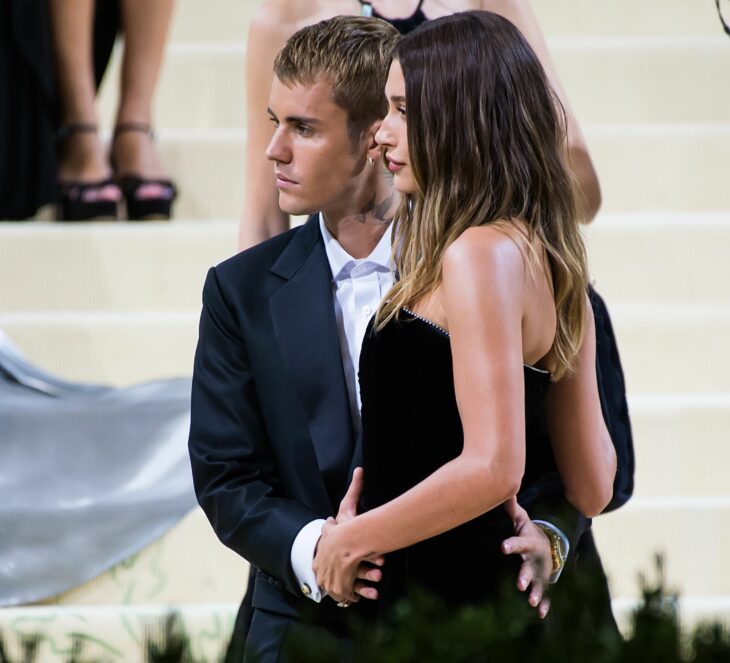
(488,324)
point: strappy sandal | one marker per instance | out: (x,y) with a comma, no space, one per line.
(145,208)
(82,201)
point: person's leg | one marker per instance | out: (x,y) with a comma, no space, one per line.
(145,25)
(266,636)
(277,638)
(82,157)
(237,645)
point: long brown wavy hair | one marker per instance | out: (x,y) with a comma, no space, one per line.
(487,144)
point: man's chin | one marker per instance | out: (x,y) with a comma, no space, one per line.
(294,206)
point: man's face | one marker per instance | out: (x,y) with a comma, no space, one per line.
(314,159)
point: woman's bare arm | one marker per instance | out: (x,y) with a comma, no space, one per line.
(583,449)
(520,13)
(269,29)
(483,277)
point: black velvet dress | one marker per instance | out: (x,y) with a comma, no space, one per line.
(411,427)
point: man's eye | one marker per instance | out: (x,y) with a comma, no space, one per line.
(304,130)
(274,121)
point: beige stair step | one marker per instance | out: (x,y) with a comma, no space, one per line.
(691,533)
(641,79)
(215,20)
(680,445)
(662,167)
(209,167)
(627,17)
(643,168)
(662,258)
(227,20)
(187,565)
(110,348)
(202,86)
(634,258)
(664,349)
(608,79)
(673,349)
(109,266)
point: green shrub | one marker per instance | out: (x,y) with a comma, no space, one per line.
(423,630)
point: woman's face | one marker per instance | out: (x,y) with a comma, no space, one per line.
(393,132)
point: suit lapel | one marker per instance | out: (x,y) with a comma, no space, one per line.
(304,324)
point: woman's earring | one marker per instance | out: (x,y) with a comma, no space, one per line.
(371,161)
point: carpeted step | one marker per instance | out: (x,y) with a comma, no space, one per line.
(608,79)
(227,20)
(689,531)
(665,349)
(633,257)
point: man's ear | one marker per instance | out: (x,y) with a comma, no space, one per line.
(373,148)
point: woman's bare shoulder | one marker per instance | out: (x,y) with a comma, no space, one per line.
(486,251)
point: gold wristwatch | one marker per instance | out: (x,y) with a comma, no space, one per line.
(558,548)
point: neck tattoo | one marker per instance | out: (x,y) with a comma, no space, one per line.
(380,211)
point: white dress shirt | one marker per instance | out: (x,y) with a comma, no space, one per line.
(358,287)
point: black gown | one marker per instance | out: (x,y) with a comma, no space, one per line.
(411,427)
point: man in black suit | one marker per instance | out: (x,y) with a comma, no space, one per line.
(275,411)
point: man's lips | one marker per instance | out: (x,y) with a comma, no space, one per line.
(284,182)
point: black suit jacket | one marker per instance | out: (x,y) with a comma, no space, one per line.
(271,438)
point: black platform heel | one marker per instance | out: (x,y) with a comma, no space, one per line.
(78,201)
(153,208)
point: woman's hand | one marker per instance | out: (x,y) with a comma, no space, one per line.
(533,545)
(336,573)
(335,565)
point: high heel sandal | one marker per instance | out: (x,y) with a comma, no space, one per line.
(145,208)
(81,201)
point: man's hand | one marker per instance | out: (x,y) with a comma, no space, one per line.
(533,545)
(366,570)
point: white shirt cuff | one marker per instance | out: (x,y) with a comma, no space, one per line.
(302,556)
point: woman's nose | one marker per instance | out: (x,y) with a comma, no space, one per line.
(383,136)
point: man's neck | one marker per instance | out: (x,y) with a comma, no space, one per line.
(359,228)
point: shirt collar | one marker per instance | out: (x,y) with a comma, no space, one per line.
(341,262)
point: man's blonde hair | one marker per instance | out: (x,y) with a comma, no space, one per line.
(352,54)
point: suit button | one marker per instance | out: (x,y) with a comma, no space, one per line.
(305,589)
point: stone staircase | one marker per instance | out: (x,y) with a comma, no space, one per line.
(118,303)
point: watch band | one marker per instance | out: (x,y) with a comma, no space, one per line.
(559,547)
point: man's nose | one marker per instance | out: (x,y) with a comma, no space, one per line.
(277,149)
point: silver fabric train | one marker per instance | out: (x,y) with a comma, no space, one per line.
(89,475)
